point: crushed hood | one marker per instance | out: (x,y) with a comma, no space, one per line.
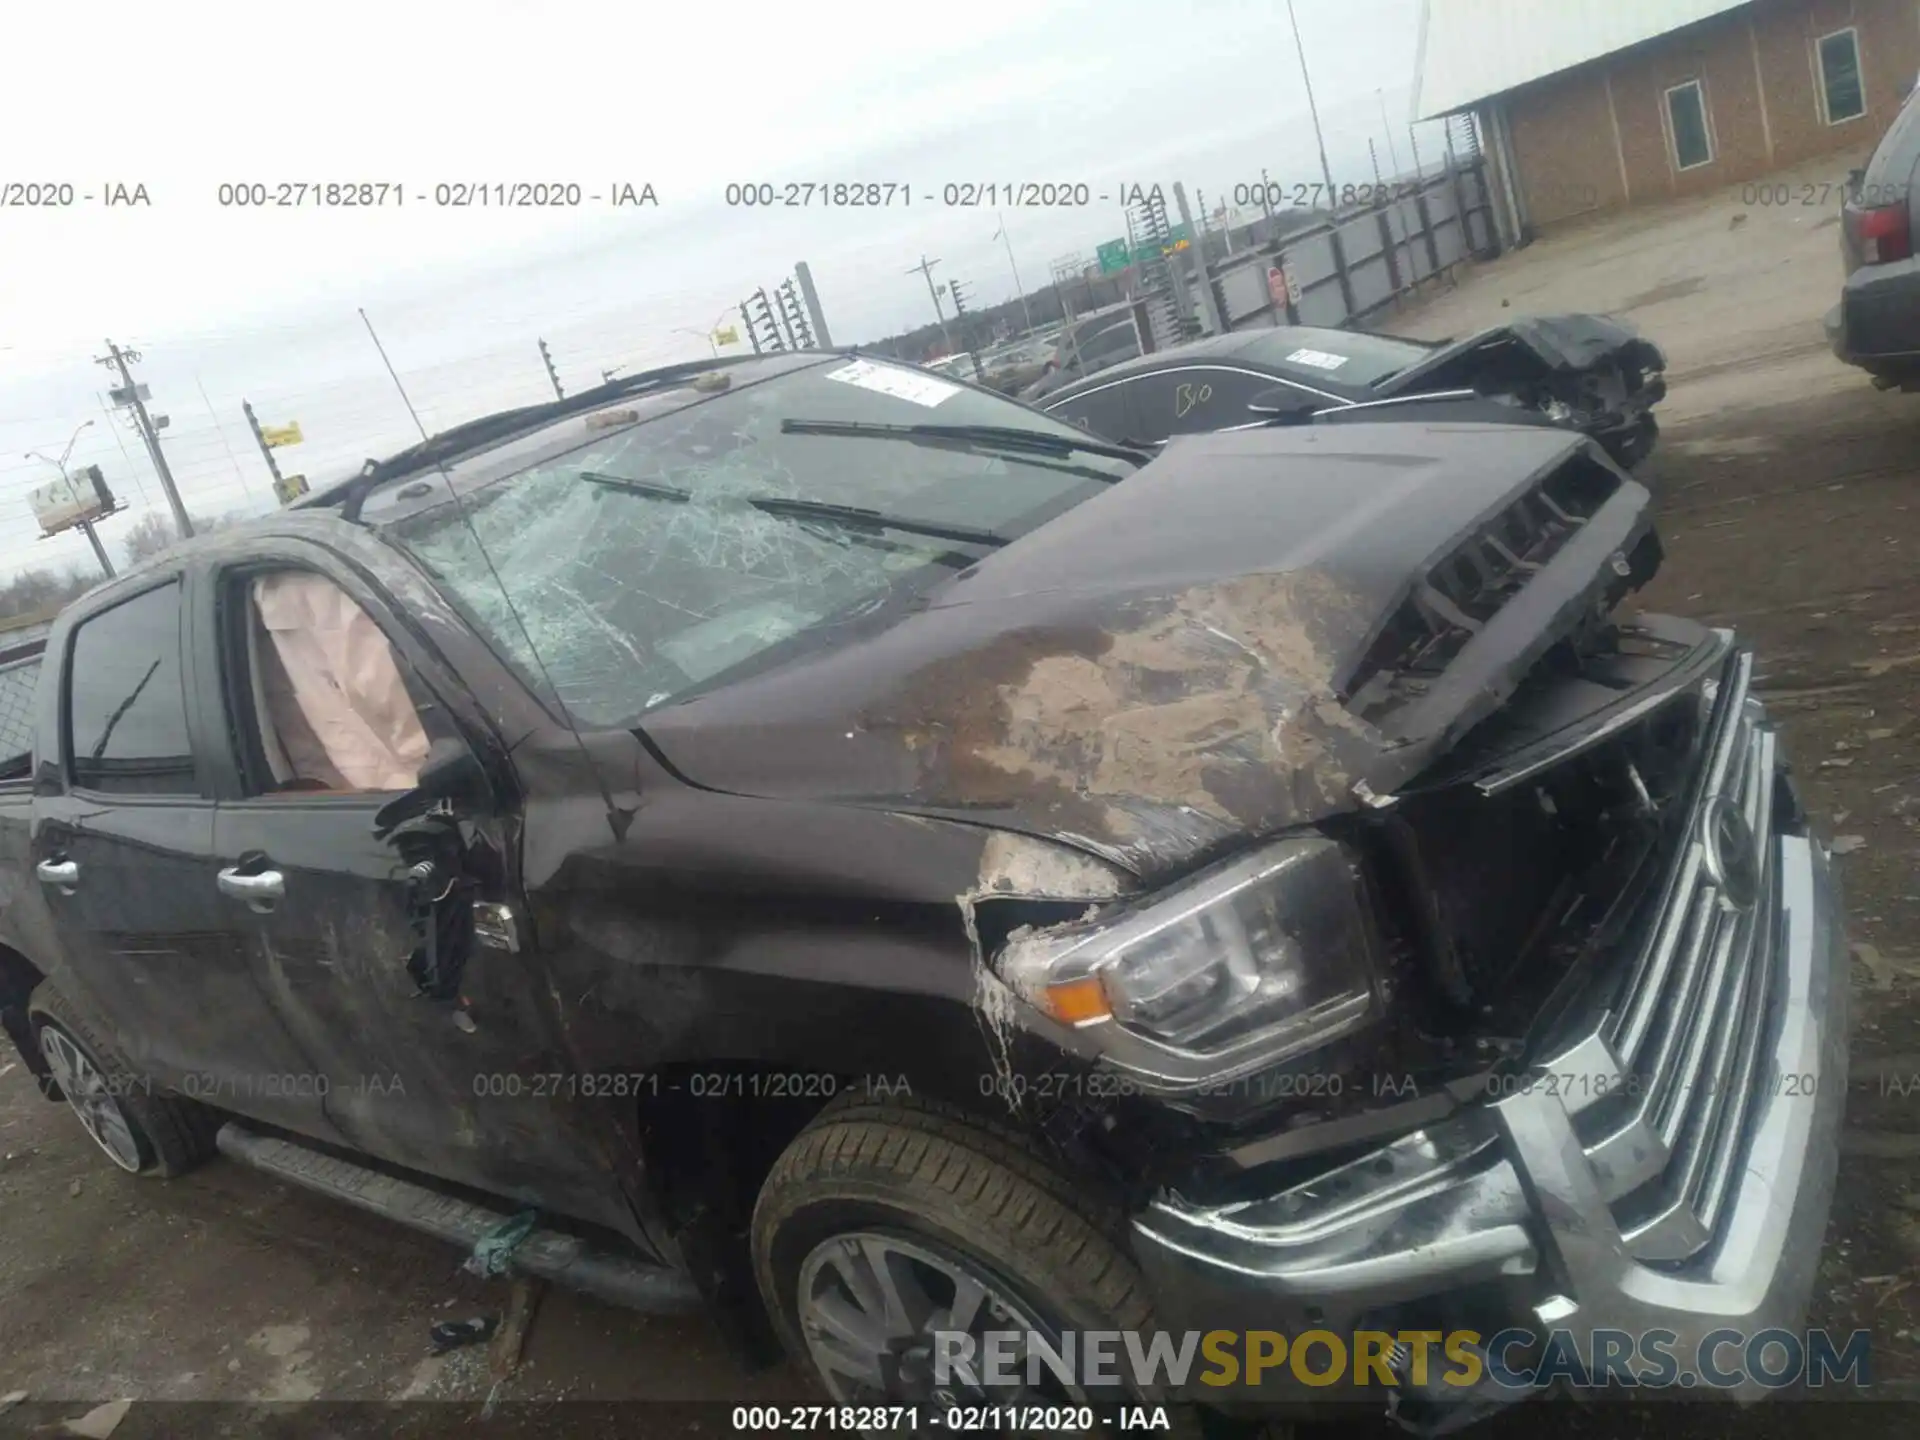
(1555,344)
(1155,672)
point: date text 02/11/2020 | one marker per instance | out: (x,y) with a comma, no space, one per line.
(954,1419)
(444,195)
(698,1084)
(889,194)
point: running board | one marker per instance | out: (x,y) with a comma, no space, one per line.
(564,1259)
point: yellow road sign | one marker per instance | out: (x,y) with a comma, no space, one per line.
(274,436)
(727,336)
(290,488)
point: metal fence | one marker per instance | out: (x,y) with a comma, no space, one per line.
(1345,269)
(19,678)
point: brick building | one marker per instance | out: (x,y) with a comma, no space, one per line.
(1588,105)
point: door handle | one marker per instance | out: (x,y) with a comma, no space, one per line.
(260,890)
(64,873)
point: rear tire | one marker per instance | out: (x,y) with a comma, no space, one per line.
(948,1213)
(140,1128)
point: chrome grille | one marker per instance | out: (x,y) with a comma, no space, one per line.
(1684,1041)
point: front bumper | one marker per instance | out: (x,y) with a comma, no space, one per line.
(1691,1197)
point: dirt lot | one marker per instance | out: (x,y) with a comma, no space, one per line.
(1791,500)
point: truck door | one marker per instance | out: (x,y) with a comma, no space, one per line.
(436,1036)
(123,851)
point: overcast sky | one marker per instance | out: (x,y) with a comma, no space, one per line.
(227,304)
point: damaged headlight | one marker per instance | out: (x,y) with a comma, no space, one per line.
(1248,965)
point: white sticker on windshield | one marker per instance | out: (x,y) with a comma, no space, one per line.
(901,384)
(1319,359)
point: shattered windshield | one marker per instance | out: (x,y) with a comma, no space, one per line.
(642,568)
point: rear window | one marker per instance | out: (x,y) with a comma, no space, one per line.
(1348,356)
(126,707)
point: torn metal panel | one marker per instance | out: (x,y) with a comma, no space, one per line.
(1157,675)
(1554,344)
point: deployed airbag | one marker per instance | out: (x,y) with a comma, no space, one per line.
(337,698)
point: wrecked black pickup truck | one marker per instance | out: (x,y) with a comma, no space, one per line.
(858,855)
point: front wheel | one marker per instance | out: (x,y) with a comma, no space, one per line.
(891,1241)
(140,1129)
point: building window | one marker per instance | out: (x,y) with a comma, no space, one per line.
(1687,119)
(1842,95)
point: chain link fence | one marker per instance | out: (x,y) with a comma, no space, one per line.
(18,681)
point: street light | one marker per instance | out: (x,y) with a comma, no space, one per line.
(61,463)
(706,335)
(99,550)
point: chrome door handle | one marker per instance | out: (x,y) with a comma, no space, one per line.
(64,873)
(260,890)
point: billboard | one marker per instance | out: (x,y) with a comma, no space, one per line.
(71,500)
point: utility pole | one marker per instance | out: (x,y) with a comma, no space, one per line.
(925,267)
(959,313)
(266,450)
(1202,275)
(1313,110)
(816,317)
(1026,316)
(1326,170)
(753,338)
(552,374)
(116,359)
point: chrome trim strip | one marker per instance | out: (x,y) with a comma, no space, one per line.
(1159,370)
(1400,400)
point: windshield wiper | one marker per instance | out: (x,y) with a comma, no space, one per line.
(984,437)
(801,509)
(637,487)
(858,517)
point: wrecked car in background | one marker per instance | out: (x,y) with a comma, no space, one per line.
(861,856)
(1579,372)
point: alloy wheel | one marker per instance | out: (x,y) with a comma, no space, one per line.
(92,1098)
(870,1305)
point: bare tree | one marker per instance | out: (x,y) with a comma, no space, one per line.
(150,534)
(32,592)
(153,532)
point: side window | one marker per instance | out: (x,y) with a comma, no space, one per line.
(1842,96)
(330,704)
(1687,126)
(1154,406)
(1214,399)
(1110,346)
(125,705)
(1106,411)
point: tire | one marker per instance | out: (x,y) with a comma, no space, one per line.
(157,1134)
(929,1181)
